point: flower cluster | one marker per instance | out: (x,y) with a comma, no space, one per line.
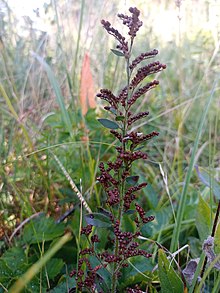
(140,92)
(130,196)
(123,45)
(115,176)
(143,56)
(145,71)
(86,280)
(132,22)
(128,247)
(141,213)
(86,230)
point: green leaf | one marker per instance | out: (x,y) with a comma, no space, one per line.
(113,110)
(139,148)
(6,273)
(60,99)
(203,219)
(104,211)
(139,270)
(117,53)
(32,272)
(104,276)
(151,196)
(130,212)
(120,118)
(54,266)
(132,180)
(42,229)
(108,123)
(98,220)
(13,264)
(170,282)
(209,180)
(217,239)
(162,220)
(183,198)
(67,282)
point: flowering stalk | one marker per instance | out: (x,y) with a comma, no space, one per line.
(116,177)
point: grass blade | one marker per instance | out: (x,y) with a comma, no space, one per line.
(59,97)
(35,268)
(182,203)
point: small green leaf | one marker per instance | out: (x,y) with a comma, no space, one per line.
(132,180)
(113,110)
(209,180)
(217,239)
(108,123)
(53,267)
(203,219)
(151,196)
(42,229)
(170,282)
(98,220)
(139,148)
(104,212)
(61,287)
(120,118)
(117,53)
(130,212)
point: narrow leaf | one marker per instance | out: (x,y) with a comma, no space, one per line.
(130,212)
(108,123)
(170,282)
(19,285)
(183,198)
(217,240)
(203,219)
(104,212)
(98,220)
(117,53)
(60,99)
(132,180)
(113,110)
(119,118)
(209,180)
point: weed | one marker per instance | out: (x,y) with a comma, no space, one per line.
(116,176)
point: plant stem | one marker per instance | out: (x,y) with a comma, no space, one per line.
(124,131)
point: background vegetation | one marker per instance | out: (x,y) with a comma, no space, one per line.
(49,129)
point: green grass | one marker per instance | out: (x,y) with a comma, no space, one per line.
(40,118)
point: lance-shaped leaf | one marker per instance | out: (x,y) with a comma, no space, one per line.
(117,53)
(98,220)
(217,240)
(170,282)
(120,118)
(132,180)
(209,181)
(203,219)
(108,123)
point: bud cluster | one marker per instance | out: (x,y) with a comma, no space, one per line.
(141,57)
(132,22)
(123,45)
